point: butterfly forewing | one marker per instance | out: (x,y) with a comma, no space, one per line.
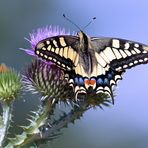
(58,49)
(122,54)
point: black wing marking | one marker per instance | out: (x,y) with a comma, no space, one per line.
(60,50)
(105,83)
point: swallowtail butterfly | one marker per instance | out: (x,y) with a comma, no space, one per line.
(92,64)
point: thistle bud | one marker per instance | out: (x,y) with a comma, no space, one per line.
(10,84)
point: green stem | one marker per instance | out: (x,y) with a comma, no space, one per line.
(7,115)
(40,122)
(30,132)
(63,121)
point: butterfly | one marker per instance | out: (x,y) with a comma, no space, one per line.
(92,64)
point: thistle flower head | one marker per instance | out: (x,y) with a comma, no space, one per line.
(47,80)
(10,84)
(43,33)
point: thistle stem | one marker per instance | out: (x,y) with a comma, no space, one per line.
(6,117)
(30,131)
(64,120)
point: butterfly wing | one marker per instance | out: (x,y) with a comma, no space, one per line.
(121,54)
(59,50)
(115,56)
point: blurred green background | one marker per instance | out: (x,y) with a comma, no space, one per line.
(123,125)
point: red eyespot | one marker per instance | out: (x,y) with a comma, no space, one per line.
(90,82)
(87,82)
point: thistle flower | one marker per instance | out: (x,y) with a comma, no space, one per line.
(10,84)
(43,33)
(48,80)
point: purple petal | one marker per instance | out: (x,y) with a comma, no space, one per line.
(28,51)
(41,34)
(46,32)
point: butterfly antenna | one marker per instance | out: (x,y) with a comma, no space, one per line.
(71,22)
(89,23)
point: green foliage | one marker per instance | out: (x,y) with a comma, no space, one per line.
(49,82)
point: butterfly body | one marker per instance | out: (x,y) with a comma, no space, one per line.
(92,63)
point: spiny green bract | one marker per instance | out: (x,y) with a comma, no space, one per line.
(10,84)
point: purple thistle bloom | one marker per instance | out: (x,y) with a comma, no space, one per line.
(43,33)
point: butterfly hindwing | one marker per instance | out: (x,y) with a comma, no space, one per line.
(106,83)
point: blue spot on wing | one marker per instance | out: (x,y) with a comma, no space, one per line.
(100,81)
(106,81)
(103,81)
(79,81)
(110,76)
(76,80)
